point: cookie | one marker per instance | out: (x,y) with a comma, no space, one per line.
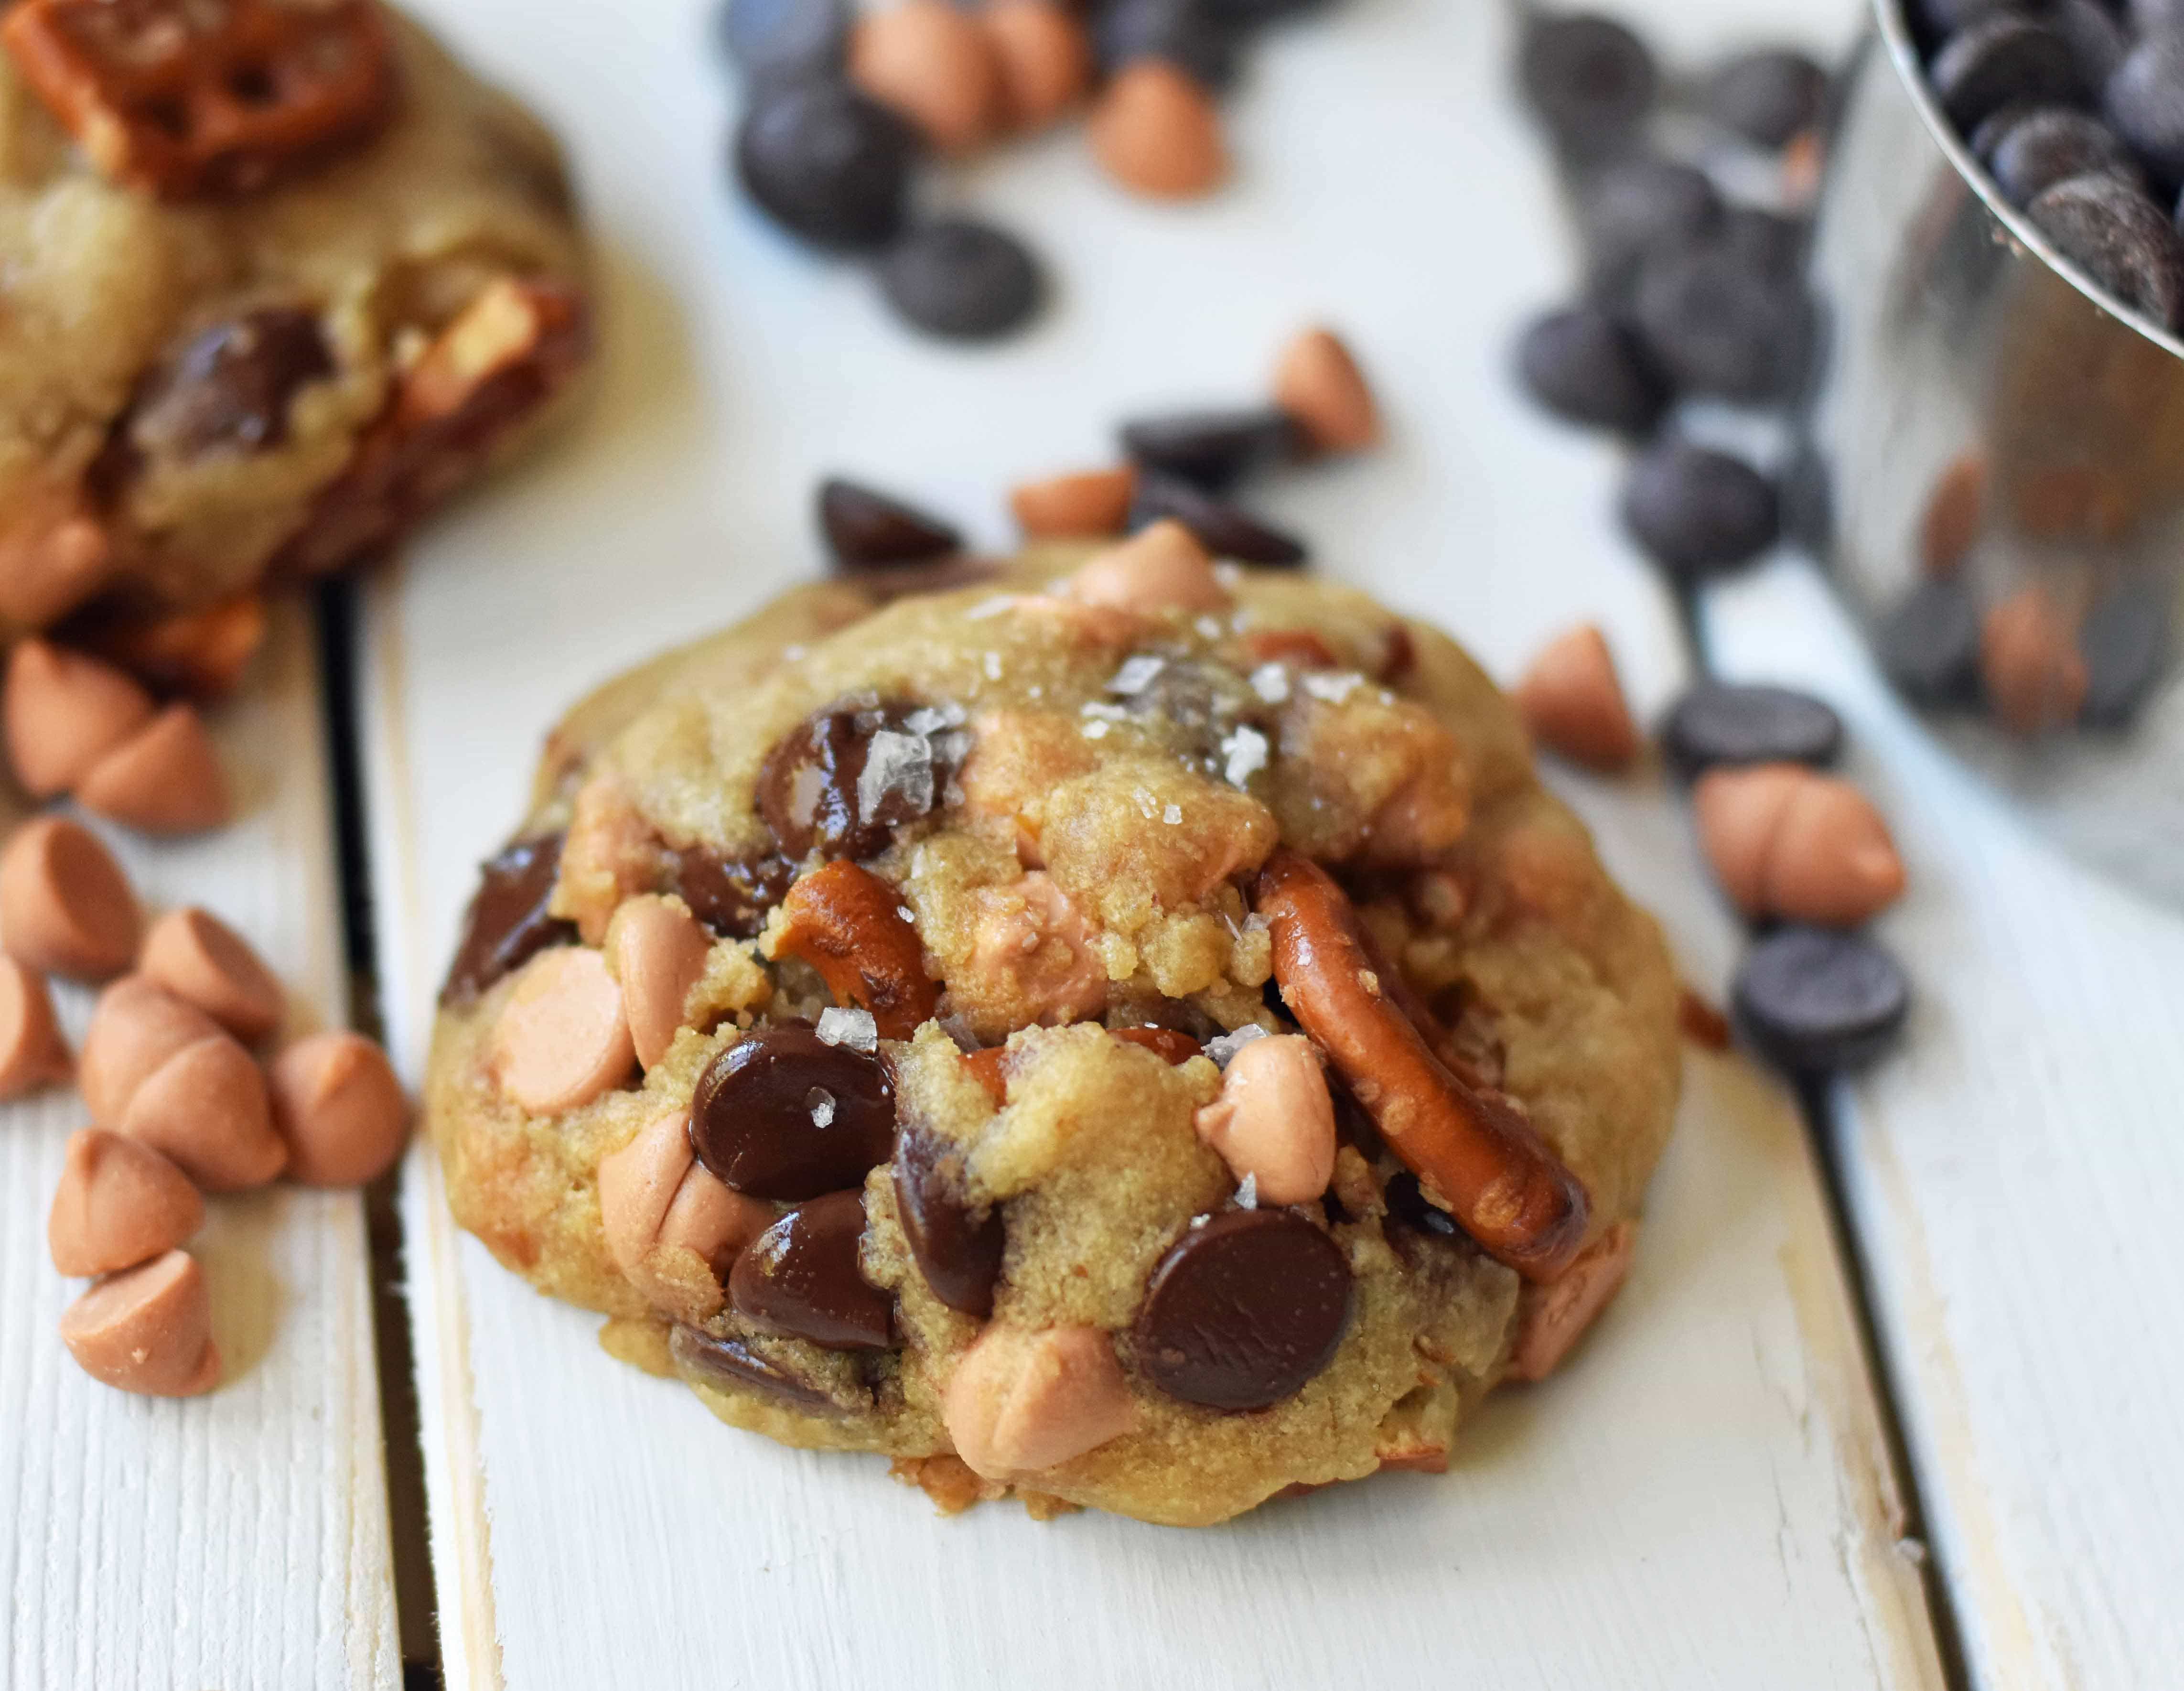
(274,280)
(1132,1031)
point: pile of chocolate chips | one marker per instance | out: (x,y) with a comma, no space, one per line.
(839,112)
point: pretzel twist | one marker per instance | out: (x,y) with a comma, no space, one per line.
(848,924)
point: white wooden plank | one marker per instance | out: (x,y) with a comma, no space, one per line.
(2012,1174)
(239,1540)
(1703,1499)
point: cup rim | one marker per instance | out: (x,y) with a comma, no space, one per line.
(1895,31)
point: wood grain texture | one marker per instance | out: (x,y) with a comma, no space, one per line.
(236,1541)
(1702,1498)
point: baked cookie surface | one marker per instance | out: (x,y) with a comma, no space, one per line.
(1128,1030)
(275,279)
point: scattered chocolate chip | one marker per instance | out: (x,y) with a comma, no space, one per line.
(1246,1307)
(963,280)
(1720,722)
(1928,644)
(1987,135)
(2125,641)
(958,1251)
(1251,14)
(228,389)
(1226,530)
(507,925)
(2097,40)
(2000,58)
(820,789)
(827,164)
(783,38)
(1696,511)
(1634,207)
(867,529)
(2051,145)
(1189,33)
(781,1114)
(800,1279)
(736,1363)
(731,895)
(2144,100)
(1211,450)
(1407,1204)
(1590,80)
(2120,238)
(1772,244)
(1815,1000)
(1767,95)
(1717,322)
(1585,365)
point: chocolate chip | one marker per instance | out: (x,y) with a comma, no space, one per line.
(2144,100)
(1767,95)
(1226,530)
(963,280)
(731,895)
(800,1279)
(1407,1204)
(1698,512)
(2097,40)
(1928,644)
(1770,242)
(786,37)
(2125,641)
(1189,33)
(1211,450)
(867,529)
(957,1250)
(507,925)
(1997,59)
(1637,206)
(1253,14)
(1585,365)
(1815,1000)
(2119,239)
(228,389)
(736,1363)
(2051,145)
(782,1114)
(1590,80)
(819,791)
(1717,322)
(825,163)
(1720,722)
(1246,1307)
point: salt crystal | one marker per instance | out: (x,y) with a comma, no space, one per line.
(990,607)
(820,1103)
(1209,628)
(1333,689)
(898,774)
(925,720)
(791,654)
(1224,1047)
(1271,682)
(1172,815)
(1113,713)
(1136,674)
(992,665)
(1095,730)
(1257,922)
(906,913)
(1227,574)
(959,1030)
(1246,753)
(1247,1195)
(1199,1221)
(853,1028)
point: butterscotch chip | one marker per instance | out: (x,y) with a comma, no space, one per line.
(63,712)
(164,779)
(32,1052)
(1954,507)
(119,1203)
(1318,383)
(1786,840)
(1044,58)
(200,959)
(1160,568)
(1155,130)
(2035,676)
(206,1108)
(934,65)
(52,557)
(148,1330)
(135,1027)
(65,906)
(562,1038)
(340,1109)
(1089,503)
(658,952)
(1572,702)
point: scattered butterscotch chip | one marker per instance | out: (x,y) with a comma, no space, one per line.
(1572,702)
(2035,675)
(338,1105)
(199,653)
(1155,131)
(1318,383)
(1088,503)
(1044,58)
(63,712)
(52,557)
(206,1107)
(119,1203)
(562,1038)
(1786,840)
(135,1027)
(2073,502)
(200,959)
(148,1330)
(166,778)
(32,1052)
(1952,519)
(934,65)
(65,906)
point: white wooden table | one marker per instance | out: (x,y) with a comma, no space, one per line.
(1710,1496)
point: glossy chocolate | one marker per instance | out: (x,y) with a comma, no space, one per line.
(784,1115)
(809,786)
(800,1279)
(507,925)
(958,1249)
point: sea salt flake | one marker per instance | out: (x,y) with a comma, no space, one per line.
(1227,574)
(1247,1195)
(1095,730)
(1172,815)
(990,607)
(1244,754)
(1224,1047)
(1136,674)
(821,1103)
(791,654)
(925,720)
(1094,707)
(855,1028)
(992,665)
(898,774)
(1271,682)
(1209,628)
(1333,689)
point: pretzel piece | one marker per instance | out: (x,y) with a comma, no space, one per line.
(206,98)
(848,924)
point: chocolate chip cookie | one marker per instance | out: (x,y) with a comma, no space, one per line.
(1131,1030)
(275,279)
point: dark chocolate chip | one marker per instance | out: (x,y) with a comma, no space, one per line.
(731,895)
(1929,645)
(1407,1204)
(958,1250)
(963,280)
(2125,641)
(867,529)
(825,163)
(1987,65)
(1815,1000)
(2097,40)
(1246,1307)
(782,1114)
(1585,365)
(1252,14)
(1720,722)
(1212,450)
(2051,145)
(1770,242)
(2118,238)
(1590,80)
(800,1279)
(733,1361)
(1987,134)
(1717,322)
(1939,18)
(1226,530)
(228,389)
(786,37)
(1190,35)
(812,790)
(507,925)
(1767,95)
(2144,101)
(1698,512)
(1634,207)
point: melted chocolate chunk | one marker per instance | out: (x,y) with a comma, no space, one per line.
(784,1115)
(1246,1308)
(958,1249)
(820,787)
(507,925)
(228,389)
(731,895)
(800,1279)
(731,1362)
